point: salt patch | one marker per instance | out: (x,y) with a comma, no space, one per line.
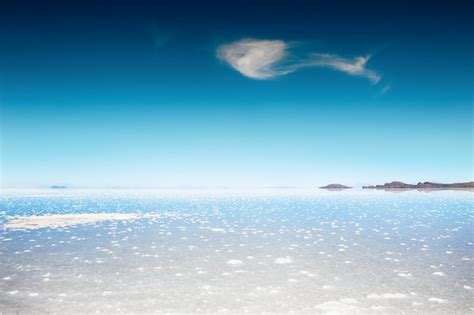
(283,260)
(437,300)
(374,296)
(234,262)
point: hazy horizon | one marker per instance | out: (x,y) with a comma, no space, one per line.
(218,187)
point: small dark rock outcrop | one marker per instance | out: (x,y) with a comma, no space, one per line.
(58,187)
(335,186)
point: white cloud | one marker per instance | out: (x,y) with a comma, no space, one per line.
(354,66)
(266,59)
(256,59)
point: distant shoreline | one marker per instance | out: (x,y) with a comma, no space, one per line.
(420,185)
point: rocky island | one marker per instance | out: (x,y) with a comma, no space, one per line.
(420,185)
(335,186)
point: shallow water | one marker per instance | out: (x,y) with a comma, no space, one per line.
(275,251)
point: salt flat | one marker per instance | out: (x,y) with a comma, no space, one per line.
(58,220)
(309,252)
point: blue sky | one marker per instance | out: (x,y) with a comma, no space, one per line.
(248,93)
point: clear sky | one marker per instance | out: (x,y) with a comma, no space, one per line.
(240,93)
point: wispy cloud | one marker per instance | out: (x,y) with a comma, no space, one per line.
(266,59)
(385,89)
(356,66)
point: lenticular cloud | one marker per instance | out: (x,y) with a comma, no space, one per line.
(266,59)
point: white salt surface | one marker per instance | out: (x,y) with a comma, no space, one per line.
(60,220)
(283,260)
(314,253)
(235,262)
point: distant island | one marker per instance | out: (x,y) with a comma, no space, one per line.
(335,186)
(58,187)
(420,185)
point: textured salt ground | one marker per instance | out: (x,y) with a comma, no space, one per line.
(63,220)
(323,254)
